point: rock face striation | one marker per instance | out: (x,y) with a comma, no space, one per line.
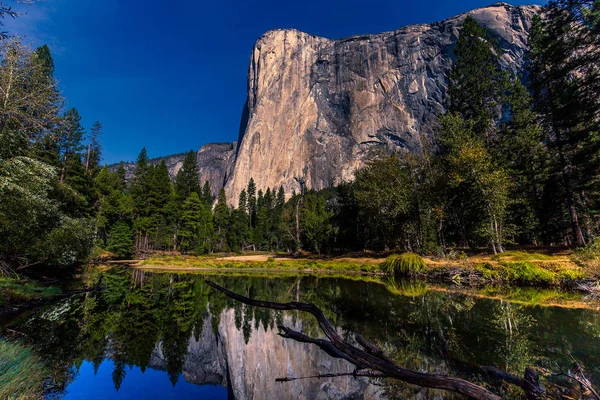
(317,108)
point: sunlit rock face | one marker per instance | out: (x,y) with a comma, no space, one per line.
(317,108)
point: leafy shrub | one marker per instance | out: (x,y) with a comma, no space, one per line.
(403,264)
(69,243)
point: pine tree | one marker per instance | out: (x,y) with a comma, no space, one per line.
(565,78)
(196,225)
(160,192)
(476,79)
(92,159)
(221,221)
(70,142)
(207,196)
(188,178)
(139,191)
(251,202)
(524,157)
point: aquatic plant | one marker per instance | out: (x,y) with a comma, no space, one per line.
(22,373)
(403,264)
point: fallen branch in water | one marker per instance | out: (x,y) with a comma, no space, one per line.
(370,357)
(369,374)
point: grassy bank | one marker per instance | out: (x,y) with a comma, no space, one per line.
(15,292)
(512,267)
(22,373)
(266,262)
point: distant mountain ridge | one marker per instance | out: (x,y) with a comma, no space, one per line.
(214,163)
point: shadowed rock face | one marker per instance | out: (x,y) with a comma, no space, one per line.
(317,107)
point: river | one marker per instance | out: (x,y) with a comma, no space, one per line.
(144,335)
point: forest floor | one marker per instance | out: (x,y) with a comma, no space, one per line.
(518,267)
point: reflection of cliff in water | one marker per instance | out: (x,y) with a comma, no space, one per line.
(252,367)
(176,323)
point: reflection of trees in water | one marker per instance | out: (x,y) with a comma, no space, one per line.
(423,330)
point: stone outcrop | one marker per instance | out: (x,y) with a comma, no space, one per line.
(317,108)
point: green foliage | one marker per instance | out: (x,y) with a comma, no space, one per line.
(403,264)
(565,81)
(476,79)
(22,373)
(120,239)
(384,198)
(196,225)
(188,178)
(316,221)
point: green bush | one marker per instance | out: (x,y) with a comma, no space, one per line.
(403,264)
(22,374)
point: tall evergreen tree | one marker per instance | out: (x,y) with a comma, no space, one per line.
(70,142)
(221,221)
(92,157)
(207,196)
(565,78)
(476,79)
(188,177)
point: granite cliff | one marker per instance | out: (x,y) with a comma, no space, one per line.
(317,108)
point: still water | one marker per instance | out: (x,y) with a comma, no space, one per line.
(170,336)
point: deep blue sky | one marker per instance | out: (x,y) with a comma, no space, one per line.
(171,76)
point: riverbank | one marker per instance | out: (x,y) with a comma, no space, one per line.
(19,294)
(513,267)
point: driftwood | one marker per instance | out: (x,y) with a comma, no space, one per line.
(370,358)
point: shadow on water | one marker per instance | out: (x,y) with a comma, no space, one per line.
(172,336)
